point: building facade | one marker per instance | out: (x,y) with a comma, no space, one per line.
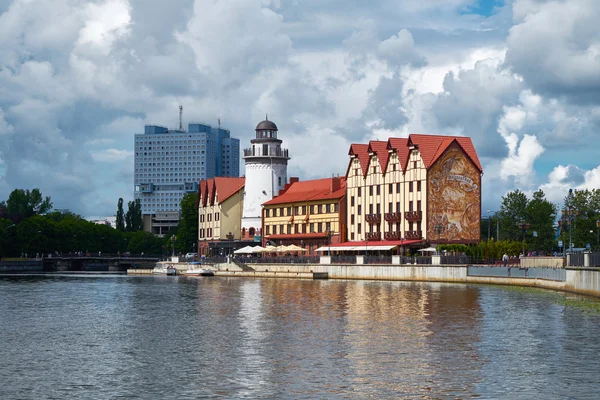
(408,191)
(308,214)
(170,163)
(220,204)
(266,174)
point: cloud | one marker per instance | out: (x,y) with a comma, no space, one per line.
(400,50)
(565,177)
(111,155)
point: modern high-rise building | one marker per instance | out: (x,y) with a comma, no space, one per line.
(169,163)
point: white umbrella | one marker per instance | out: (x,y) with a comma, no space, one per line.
(244,250)
(293,247)
(257,249)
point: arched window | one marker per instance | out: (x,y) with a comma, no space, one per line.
(251,231)
(243,232)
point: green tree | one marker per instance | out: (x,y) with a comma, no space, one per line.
(23,204)
(541,214)
(513,210)
(129,217)
(144,242)
(187,232)
(120,222)
(585,207)
(138,222)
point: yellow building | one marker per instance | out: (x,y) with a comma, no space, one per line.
(408,191)
(309,214)
(220,205)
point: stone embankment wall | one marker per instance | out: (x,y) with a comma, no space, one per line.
(577,280)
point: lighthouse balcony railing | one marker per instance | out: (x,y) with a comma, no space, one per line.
(257,152)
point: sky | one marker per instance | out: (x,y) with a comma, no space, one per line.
(79,78)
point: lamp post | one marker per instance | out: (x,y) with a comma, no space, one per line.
(569,214)
(329,243)
(497,225)
(173,240)
(230,239)
(524,226)
(439,228)
(598,233)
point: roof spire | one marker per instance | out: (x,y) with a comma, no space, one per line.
(266,117)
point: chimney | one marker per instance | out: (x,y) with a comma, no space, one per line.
(336,184)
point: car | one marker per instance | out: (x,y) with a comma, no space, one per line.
(191,255)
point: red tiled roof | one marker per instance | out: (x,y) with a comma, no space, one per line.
(316,189)
(298,236)
(401,147)
(380,148)
(432,147)
(218,189)
(227,187)
(362,152)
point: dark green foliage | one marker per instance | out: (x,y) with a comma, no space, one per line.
(187,232)
(23,204)
(120,222)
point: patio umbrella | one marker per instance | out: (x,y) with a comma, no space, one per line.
(257,249)
(293,247)
(280,249)
(269,249)
(244,250)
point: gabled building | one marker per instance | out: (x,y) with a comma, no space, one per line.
(220,205)
(408,191)
(308,214)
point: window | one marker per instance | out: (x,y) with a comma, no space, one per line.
(281,228)
(359,191)
(390,188)
(336,207)
(378,190)
(418,205)
(268,229)
(328,227)
(410,226)
(418,186)
(352,236)
(374,170)
(281,212)
(410,206)
(320,227)
(202,218)
(209,216)
(418,225)
(397,206)
(297,210)
(359,209)
(358,228)
(289,229)
(303,228)
(274,229)
(352,201)
(312,227)
(370,190)
(296,228)
(397,188)
(279,181)
(378,208)
(391,207)
(410,186)
(303,210)
(393,167)
(370,208)
(268,212)
(352,219)
(321,210)
(414,164)
(289,211)
(216,216)
(251,231)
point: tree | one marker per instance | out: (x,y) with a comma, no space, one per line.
(513,210)
(187,232)
(586,207)
(541,214)
(23,204)
(138,222)
(120,216)
(129,217)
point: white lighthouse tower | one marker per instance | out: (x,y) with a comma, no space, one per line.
(266,173)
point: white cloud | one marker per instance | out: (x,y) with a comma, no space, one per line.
(111,155)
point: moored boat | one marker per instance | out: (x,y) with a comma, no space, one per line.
(199,272)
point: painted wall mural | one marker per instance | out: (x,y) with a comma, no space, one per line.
(454,198)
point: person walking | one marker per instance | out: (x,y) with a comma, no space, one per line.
(505,259)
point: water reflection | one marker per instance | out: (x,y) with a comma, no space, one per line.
(177,337)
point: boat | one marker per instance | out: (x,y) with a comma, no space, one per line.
(162,269)
(197,270)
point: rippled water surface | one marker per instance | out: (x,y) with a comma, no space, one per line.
(175,337)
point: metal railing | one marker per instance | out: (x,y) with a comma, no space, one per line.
(378,259)
(343,259)
(552,274)
(283,260)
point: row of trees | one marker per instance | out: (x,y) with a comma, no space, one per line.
(27,225)
(542,216)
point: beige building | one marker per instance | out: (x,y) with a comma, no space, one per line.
(408,191)
(220,205)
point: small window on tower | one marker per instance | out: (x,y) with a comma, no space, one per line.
(279,180)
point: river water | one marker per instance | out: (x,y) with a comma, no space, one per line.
(101,337)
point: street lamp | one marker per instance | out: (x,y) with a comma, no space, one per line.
(598,233)
(569,214)
(230,238)
(524,226)
(439,228)
(173,240)
(497,225)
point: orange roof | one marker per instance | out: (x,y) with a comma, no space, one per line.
(219,189)
(401,147)
(380,148)
(432,147)
(362,152)
(316,189)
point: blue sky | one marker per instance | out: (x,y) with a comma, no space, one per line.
(79,78)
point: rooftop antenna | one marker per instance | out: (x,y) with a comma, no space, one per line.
(266,117)
(219,121)
(180,115)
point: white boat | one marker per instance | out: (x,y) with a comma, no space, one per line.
(162,269)
(199,272)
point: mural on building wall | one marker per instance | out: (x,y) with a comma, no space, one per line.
(454,198)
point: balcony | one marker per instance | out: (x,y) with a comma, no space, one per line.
(413,235)
(392,236)
(413,215)
(373,218)
(373,236)
(257,152)
(392,216)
